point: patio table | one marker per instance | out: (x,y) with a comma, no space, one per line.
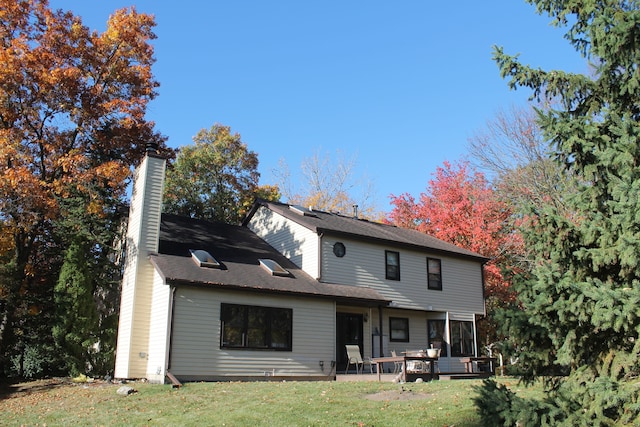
(404,358)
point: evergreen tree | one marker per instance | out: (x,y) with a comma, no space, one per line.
(76,326)
(96,227)
(580,300)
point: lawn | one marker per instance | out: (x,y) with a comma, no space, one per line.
(58,402)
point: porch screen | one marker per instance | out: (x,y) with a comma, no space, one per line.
(254,327)
(461,338)
(436,330)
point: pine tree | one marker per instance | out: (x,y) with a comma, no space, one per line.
(580,301)
(76,326)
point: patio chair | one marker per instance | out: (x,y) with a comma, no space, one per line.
(354,357)
(397,366)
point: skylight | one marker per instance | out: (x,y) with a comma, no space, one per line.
(300,210)
(273,267)
(204,258)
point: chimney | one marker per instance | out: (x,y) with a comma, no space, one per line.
(152,148)
(143,234)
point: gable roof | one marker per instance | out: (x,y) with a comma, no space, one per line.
(238,250)
(357,228)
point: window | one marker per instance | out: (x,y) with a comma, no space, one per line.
(392,265)
(399,327)
(258,328)
(436,336)
(461,338)
(434,274)
(339,249)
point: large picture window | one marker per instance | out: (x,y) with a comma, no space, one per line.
(399,329)
(436,330)
(461,338)
(253,327)
(392,265)
(434,274)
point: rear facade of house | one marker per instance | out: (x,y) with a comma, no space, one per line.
(280,295)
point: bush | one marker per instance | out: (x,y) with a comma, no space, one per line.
(499,406)
(37,360)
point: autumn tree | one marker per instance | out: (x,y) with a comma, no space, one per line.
(214,179)
(72,120)
(329,184)
(513,150)
(579,302)
(461,207)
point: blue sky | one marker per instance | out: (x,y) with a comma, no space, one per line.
(399,86)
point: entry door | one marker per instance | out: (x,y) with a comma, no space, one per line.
(348,331)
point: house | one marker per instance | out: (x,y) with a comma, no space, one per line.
(282,294)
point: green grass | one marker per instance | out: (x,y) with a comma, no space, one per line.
(440,403)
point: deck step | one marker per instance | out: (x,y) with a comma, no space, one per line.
(174,381)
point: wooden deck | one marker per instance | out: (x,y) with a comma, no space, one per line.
(442,376)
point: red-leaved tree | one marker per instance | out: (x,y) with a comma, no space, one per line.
(461,207)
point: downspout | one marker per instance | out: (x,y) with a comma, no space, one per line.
(320,236)
(447,334)
(484,309)
(484,299)
(172,306)
(475,337)
(381,331)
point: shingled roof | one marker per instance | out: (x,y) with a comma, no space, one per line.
(330,223)
(238,250)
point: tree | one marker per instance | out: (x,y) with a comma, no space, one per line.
(215,179)
(582,293)
(72,106)
(100,234)
(461,207)
(329,185)
(514,151)
(76,325)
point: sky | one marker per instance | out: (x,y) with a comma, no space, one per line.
(396,87)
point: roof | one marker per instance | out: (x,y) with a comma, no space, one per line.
(238,250)
(358,228)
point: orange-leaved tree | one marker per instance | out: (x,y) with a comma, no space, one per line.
(72,122)
(461,207)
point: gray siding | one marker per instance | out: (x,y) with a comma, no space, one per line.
(364,265)
(196,352)
(297,243)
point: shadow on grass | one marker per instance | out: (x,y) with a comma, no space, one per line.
(16,388)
